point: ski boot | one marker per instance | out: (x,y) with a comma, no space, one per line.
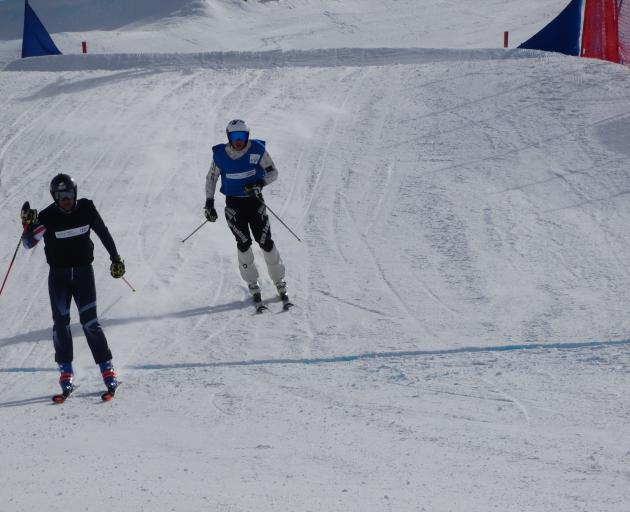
(281,286)
(109,376)
(66,383)
(254,289)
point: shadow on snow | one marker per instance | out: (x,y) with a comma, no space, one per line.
(46,334)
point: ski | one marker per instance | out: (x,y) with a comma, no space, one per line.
(62,397)
(108,395)
(261,308)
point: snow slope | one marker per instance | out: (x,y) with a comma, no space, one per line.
(460,338)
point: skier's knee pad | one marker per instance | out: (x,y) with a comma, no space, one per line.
(274,264)
(272,256)
(246,265)
(246,257)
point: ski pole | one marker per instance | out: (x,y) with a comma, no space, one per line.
(10,265)
(129,285)
(281,221)
(202,225)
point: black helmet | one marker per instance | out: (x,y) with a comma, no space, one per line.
(63,186)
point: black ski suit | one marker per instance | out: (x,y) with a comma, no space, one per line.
(70,252)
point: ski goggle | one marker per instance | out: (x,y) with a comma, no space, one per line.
(238,136)
(60,195)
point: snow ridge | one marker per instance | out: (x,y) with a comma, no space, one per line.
(324,58)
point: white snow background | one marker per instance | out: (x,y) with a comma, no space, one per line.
(460,335)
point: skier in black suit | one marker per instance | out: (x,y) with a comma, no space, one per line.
(65,227)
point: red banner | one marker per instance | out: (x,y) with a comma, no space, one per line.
(623,16)
(600,35)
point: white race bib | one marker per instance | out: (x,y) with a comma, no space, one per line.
(240,175)
(69,233)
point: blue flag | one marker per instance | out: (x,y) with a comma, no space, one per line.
(36,39)
(562,34)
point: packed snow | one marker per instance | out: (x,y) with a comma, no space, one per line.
(460,335)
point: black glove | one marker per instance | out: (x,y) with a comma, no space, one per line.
(255,189)
(209,211)
(117,268)
(28,215)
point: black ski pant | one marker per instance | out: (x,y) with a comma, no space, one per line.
(78,283)
(248,213)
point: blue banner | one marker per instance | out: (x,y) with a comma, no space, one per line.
(562,35)
(36,39)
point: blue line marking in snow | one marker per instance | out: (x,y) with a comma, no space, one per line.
(27,370)
(387,355)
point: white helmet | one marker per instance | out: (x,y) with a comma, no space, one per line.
(237,129)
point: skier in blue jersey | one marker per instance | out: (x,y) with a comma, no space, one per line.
(245,167)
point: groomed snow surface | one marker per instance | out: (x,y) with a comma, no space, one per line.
(460,336)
